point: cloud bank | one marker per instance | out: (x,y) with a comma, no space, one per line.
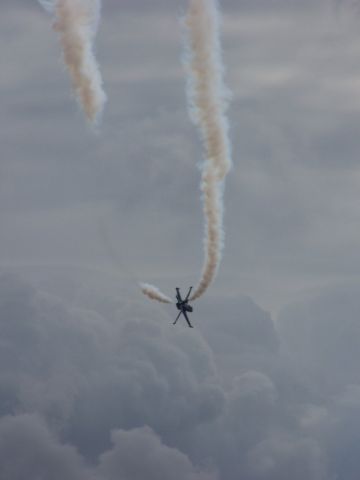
(101,387)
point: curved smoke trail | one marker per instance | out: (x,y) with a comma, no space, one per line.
(77,21)
(207,101)
(154,293)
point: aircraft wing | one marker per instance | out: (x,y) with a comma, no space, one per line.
(188,295)
(177,318)
(187,318)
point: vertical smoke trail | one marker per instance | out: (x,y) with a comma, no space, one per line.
(77,23)
(207,94)
(207,100)
(213,241)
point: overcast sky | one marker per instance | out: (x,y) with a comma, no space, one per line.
(95,383)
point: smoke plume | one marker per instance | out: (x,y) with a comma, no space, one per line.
(154,293)
(207,94)
(76,21)
(207,101)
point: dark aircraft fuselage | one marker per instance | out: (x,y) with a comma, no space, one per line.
(184,306)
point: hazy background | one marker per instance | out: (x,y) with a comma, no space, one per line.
(94,381)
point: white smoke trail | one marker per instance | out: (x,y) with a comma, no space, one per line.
(207,95)
(77,21)
(213,241)
(154,293)
(207,100)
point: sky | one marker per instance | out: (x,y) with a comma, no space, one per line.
(95,382)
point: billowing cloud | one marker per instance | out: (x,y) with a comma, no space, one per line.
(323,339)
(85,375)
(29,450)
(157,460)
(279,457)
(110,388)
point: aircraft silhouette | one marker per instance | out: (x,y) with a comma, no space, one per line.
(183,306)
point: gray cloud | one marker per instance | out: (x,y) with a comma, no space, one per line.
(276,457)
(29,450)
(157,460)
(75,369)
(322,336)
(73,366)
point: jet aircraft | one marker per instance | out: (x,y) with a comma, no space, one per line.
(183,306)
